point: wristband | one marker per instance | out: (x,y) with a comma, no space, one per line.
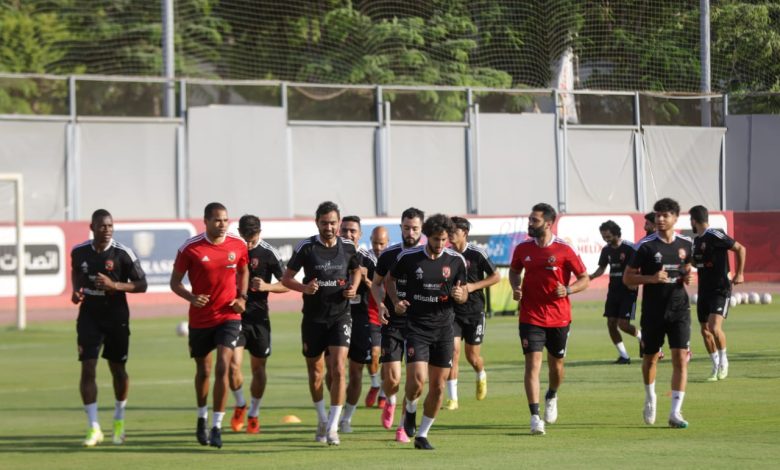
(568,291)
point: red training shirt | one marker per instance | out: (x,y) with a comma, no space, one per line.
(545,267)
(212,270)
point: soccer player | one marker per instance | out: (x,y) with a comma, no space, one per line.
(361,342)
(621,301)
(264,262)
(394,325)
(469,321)
(331,268)
(545,309)
(379,241)
(710,255)
(435,281)
(662,263)
(216,264)
(103,271)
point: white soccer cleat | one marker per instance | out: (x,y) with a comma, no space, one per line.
(345,426)
(723,371)
(94,437)
(322,433)
(551,410)
(333,438)
(537,426)
(676,421)
(649,411)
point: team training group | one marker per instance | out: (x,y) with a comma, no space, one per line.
(410,302)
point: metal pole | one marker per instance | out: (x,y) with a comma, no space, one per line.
(288,147)
(638,161)
(706,79)
(169,71)
(21,308)
(181,155)
(379,166)
(471,204)
(72,170)
(558,149)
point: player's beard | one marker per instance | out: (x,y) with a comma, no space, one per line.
(535,232)
(410,242)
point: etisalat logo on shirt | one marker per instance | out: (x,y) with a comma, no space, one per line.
(332,283)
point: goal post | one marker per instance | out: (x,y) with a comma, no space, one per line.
(21,310)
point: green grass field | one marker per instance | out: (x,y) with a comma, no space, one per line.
(733,423)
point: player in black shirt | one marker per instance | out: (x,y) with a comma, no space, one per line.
(102,272)
(469,322)
(711,257)
(662,263)
(435,281)
(264,262)
(331,268)
(394,325)
(621,301)
(361,343)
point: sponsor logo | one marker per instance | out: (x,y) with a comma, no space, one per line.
(432,286)
(329,267)
(84,267)
(426,298)
(526,259)
(658,257)
(332,283)
(445,271)
(109,265)
(205,259)
(418,273)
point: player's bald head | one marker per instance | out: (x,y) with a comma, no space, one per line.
(379,233)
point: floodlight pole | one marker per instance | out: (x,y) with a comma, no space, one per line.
(706,73)
(169,71)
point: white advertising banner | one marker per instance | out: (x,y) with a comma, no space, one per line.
(44,261)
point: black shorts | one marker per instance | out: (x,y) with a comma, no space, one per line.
(360,343)
(621,306)
(255,337)
(433,346)
(714,303)
(393,344)
(376,335)
(204,340)
(535,338)
(113,335)
(471,328)
(317,337)
(675,325)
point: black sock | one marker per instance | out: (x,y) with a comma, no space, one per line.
(534,407)
(550,394)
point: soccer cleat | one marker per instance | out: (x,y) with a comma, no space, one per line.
(94,437)
(649,411)
(450,404)
(333,438)
(677,422)
(215,438)
(551,410)
(371,396)
(714,376)
(422,443)
(237,421)
(381,402)
(410,423)
(388,414)
(723,371)
(200,432)
(482,388)
(322,431)
(119,432)
(400,435)
(345,426)
(537,426)
(253,425)
(622,360)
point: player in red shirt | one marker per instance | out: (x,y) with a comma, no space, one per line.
(545,310)
(216,263)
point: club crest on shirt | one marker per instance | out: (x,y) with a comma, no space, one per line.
(622,256)
(410,351)
(231,256)
(681,253)
(254,263)
(551,260)
(109,265)
(445,271)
